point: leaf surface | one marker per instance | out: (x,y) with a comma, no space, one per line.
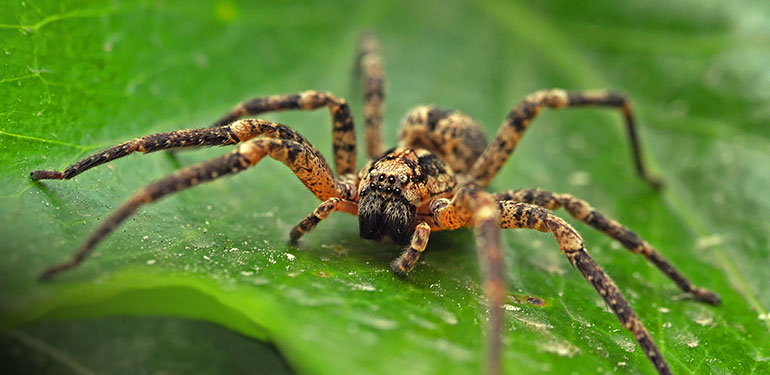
(81,76)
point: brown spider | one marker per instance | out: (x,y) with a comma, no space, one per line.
(432,181)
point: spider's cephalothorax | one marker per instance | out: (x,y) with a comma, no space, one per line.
(394,187)
(432,181)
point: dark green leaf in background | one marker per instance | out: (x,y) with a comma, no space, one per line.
(79,76)
(133,345)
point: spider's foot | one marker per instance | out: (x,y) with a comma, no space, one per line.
(405,262)
(295,234)
(49,273)
(46,175)
(398,268)
(654,182)
(707,296)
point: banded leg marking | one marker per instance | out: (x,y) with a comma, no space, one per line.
(517,121)
(371,74)
(321,212)
(343,130)
(406,261)
(151,143)
(226,135)
(582,211)
(295,155)
(523,215)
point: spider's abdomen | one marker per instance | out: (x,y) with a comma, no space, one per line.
(451,135)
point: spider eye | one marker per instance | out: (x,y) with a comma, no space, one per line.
(373,186)
(382,177)
(392,180)
(397,190)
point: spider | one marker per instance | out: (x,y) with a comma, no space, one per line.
(432,181)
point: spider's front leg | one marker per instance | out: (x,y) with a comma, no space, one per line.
(226,135)
(523,215)
(324,209)
(309,167)
(517,121)
(406,261)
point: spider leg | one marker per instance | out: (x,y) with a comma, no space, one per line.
(582,211)
(372,78)
(406,261)
(493,158)
(523,215)
(309,168)
(222,136)
(343,132)
(322,212)
(473,206)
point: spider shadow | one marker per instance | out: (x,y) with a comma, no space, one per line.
(450,255)
(54,198)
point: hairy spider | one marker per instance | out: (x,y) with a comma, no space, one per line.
(431,181)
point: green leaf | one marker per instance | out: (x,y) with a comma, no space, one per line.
(79,76)
(115,345)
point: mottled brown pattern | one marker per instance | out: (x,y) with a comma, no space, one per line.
(432,181)
(343,130)
(517,121)
(418,175)
(451,135)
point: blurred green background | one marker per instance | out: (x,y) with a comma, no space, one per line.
(206,282)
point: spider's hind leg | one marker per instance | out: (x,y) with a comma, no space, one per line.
(310,168)
(517,121)
(372,76)
(582,211)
